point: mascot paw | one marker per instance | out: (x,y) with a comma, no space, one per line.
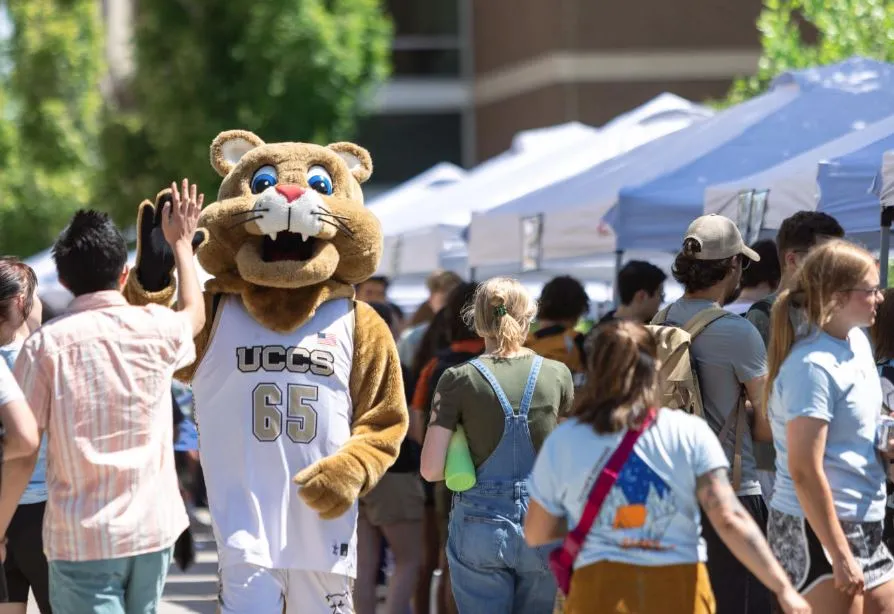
(331,485)
(155,258)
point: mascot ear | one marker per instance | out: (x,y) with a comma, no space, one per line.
(229,147)
(358,159)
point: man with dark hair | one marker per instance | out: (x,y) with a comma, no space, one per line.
(373,290)
(90,254)
(796,236)
(641,290)
(759,279)
(98,380)
(563,301)
(729,360)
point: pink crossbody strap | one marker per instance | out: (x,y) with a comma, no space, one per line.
(607,478)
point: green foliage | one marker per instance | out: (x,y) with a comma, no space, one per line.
(284,69)
(49,118)
(841,29)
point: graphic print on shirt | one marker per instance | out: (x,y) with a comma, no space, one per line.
(639,508)
(271,405)
(337,602)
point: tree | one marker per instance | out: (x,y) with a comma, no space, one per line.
(802,33)
(49,118)
(285,69)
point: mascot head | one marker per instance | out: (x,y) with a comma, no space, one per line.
(289,215)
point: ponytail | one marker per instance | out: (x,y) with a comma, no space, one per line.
(502,310)
(510,335)
(782,337)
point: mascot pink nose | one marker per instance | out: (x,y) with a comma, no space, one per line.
(290,191)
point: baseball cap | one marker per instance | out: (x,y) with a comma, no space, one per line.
(719,238)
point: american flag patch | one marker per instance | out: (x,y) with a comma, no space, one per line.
(327,339)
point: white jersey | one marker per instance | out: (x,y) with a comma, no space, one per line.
(268,405)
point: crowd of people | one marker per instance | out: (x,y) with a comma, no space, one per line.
(773,499)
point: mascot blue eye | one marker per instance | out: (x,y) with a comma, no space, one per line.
(318,179)
(263,178)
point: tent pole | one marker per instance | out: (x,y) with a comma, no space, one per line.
(619,260)
(884,244)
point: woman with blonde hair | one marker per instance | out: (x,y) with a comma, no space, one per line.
(507,400)
(827,510)
(639,473)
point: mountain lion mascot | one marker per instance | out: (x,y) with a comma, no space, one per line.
(298,390)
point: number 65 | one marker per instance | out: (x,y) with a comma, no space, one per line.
(301,418)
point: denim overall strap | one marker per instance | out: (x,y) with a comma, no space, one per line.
(529,387)
(511,462)
(498,390)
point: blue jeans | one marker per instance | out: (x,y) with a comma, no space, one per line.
(492,566)
(130,585)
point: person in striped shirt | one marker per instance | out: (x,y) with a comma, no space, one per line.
(98,380)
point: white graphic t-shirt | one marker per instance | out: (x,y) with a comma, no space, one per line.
(651,516)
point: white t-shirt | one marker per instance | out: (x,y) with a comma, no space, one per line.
(9,389)
(651,516)
(739,307)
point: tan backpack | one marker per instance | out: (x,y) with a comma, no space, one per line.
(679,379)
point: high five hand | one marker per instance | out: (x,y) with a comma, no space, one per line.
(180,216)
(155,257)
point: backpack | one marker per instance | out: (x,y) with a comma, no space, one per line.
(679,378)
(764,306)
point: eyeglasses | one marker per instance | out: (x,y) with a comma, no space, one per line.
(874,290)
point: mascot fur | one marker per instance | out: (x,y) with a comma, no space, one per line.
(298,389)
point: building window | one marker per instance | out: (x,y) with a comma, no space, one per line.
(426,38)
(426,63)
(424,17)
(402,146)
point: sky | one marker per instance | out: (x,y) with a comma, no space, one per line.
(5,25)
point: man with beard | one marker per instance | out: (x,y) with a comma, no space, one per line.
(730,359)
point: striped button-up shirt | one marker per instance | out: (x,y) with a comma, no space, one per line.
(99,382)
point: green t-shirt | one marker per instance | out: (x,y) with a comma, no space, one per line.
(464,397)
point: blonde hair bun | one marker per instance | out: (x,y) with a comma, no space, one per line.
(503,310)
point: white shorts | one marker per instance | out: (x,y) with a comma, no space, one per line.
(249,589)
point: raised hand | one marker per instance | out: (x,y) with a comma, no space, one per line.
(155,257)
(180,216)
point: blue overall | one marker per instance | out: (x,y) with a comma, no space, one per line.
(491,566)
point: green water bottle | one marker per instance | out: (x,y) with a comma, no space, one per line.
(459,473)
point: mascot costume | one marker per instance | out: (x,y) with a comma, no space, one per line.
(298,391)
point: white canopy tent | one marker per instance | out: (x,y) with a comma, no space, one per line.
(402,201)
(436,238)
(790,186)
(416,239)
(562,222)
